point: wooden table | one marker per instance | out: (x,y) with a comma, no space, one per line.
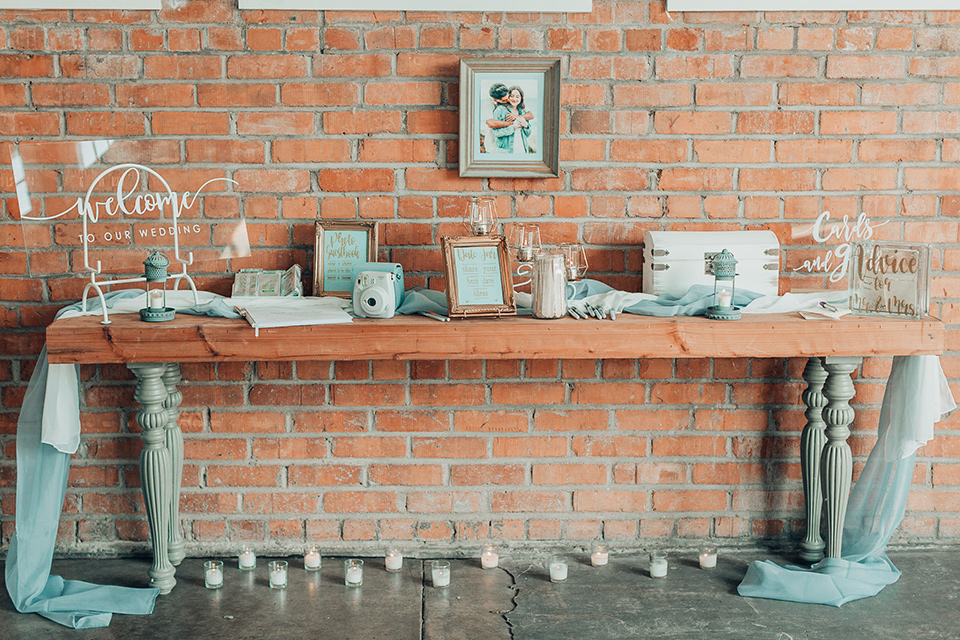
(155,351)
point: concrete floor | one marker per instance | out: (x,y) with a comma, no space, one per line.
(516,602)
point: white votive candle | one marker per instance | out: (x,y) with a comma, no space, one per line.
(353,572)
(658,564)
(247,559)
(394,560)
(708,557)
(600,557)
(558,569)
(489,558)
(440,573)
(278,574)
(156,300)
(213,574)
(724,298)
(312,560)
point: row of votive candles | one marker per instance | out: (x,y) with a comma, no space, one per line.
(440,569)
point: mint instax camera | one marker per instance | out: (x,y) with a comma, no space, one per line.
(374,294)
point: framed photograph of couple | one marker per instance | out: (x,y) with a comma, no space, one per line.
(510,117)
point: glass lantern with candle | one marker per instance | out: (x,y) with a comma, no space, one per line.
(481,215)
(723,266)
(155,274)
(525,241)
(575,260)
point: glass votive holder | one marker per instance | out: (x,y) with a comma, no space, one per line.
(600,556)
(353,572)
(393,561)
(558,569)
(489,558)
(278,574)
(658,564)
(575,260)
(312,561)
(481,215)
(525,240)
(247,559)
(708,557)
(213,574)
(440,573)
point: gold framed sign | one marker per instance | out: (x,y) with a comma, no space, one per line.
(510,117)
(890,279)
(337,248)
(479,281)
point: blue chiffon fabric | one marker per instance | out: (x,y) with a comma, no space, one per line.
(916,396)
(692,303)
(42,472)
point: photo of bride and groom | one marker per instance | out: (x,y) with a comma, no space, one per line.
(509,117)
(509,127)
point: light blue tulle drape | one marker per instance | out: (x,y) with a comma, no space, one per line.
(48,431)
(916,396)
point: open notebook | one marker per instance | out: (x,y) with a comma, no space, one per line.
(266,313)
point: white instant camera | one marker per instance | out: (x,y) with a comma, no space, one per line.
(374,294)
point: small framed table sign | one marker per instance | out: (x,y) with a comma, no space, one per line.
(479,281)
(337,248)
(889,279)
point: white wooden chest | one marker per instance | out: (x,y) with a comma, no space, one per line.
(675,260)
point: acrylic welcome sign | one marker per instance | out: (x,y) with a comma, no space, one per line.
(101,206)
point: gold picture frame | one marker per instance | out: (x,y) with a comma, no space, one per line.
(479,280)
(489,145)
(337,248)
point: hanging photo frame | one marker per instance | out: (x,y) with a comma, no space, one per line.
(510,117)
(479,281)
(337,248)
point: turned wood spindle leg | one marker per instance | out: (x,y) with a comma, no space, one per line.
(837,462)
(811,448)
(155,468)
(174,442)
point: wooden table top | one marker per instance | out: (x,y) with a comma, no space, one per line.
(202,339)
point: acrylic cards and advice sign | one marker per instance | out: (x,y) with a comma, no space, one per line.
(890,279)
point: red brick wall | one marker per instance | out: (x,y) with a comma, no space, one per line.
(696,121)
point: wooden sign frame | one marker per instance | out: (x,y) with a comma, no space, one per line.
(321,262)
(457,302)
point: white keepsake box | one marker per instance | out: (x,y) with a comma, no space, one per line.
(673,261)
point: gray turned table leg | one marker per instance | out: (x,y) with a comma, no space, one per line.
(837,462)
(174,441)
(156,475)
(811,449)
